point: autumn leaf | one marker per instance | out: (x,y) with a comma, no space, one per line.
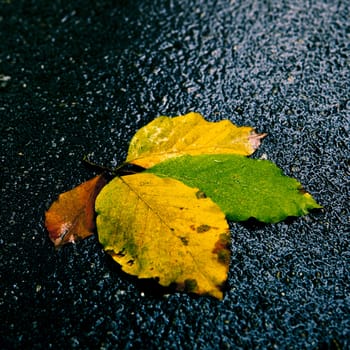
(242,187)
(190,134)
(162,229)
(72,216)
(168,222)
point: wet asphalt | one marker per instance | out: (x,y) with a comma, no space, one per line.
(79,78)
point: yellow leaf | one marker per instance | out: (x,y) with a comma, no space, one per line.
(160,228)
(189,134)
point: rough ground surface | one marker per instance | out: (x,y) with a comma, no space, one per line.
(84,76)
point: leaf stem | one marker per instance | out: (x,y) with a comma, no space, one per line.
(124,168)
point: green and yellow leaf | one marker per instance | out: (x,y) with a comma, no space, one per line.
(162,229)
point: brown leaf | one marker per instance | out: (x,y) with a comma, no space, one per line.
(72,216)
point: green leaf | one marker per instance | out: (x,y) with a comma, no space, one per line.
(242,187)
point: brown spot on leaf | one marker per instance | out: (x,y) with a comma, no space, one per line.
(301,190)
(130,262)
(190,285)
(200,195)
(222,249)
(184,240)
(203,228)
(121,253)
(224,256)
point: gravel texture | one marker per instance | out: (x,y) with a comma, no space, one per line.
(80,77)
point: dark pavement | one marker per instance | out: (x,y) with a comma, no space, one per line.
(80,77)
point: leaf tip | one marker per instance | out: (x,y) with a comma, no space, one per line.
(255,139)
(312,204)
